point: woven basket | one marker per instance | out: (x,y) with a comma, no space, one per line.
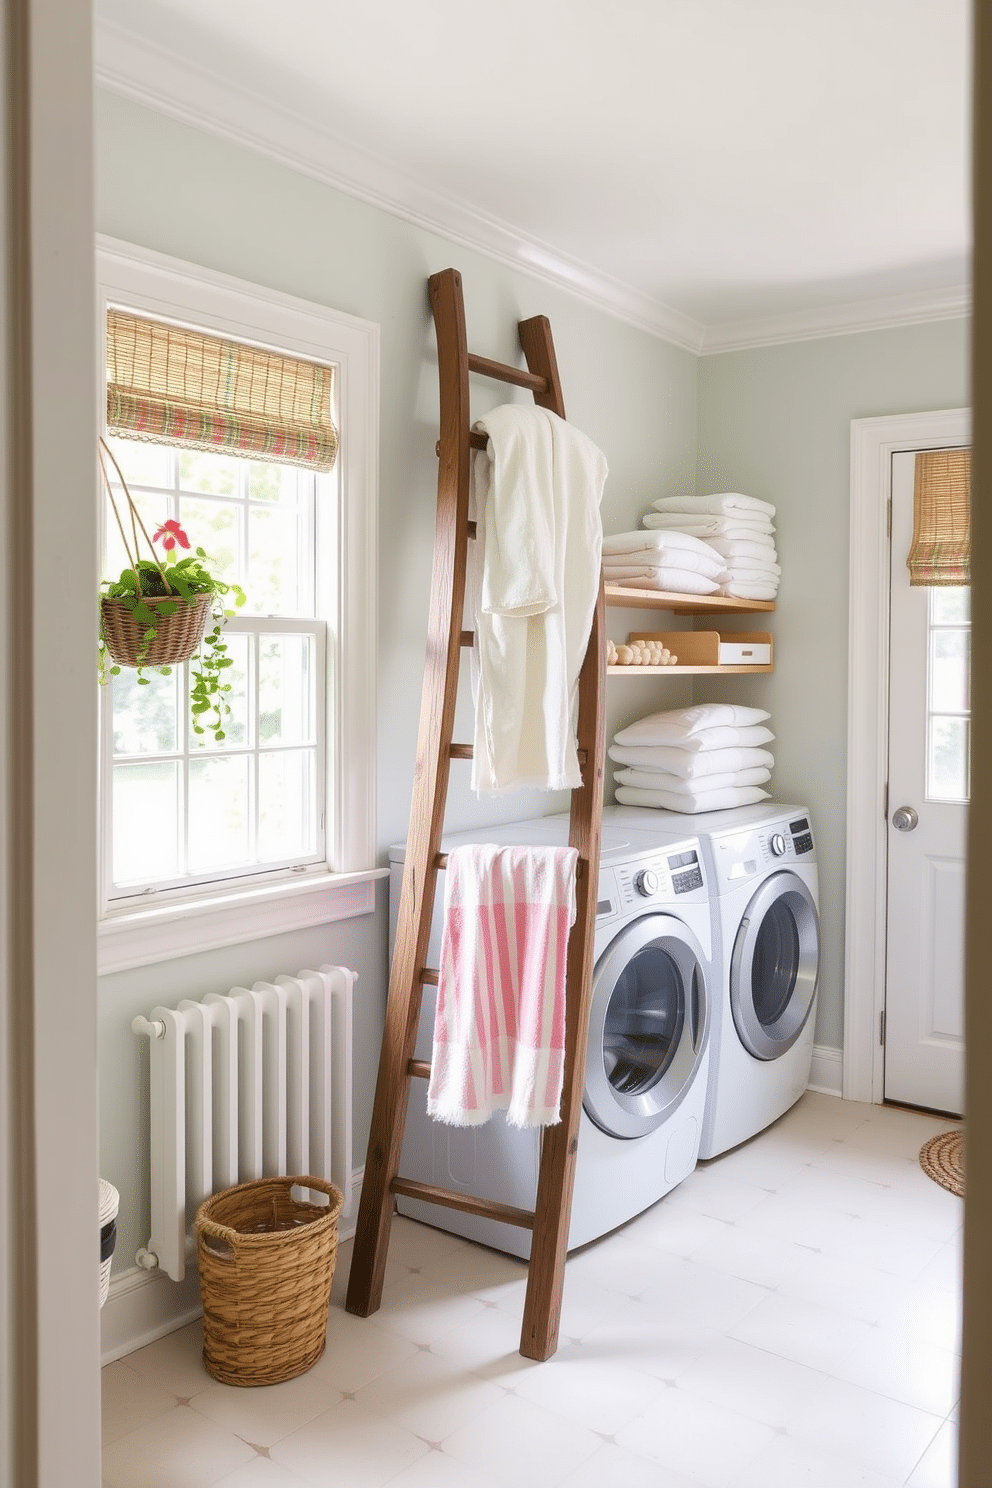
(177,638)
(109,1203)
(266,1267)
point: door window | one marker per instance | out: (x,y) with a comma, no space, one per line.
(948,694)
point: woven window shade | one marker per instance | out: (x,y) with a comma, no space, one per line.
(941,549)
(170,385)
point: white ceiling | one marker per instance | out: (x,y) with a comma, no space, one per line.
(723,172)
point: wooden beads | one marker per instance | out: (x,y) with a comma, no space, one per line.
(639,653)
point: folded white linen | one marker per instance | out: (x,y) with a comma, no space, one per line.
(740,589)
(664,780)
(711,565)
(643,542)
(721,736)
(499,1024)
(747,566)
(726,501)
(534,579)
(673,580)
(760,545)
(654,728)
(688,763)
(718,800)
(706,527)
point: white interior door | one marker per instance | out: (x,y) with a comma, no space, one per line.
(929,728)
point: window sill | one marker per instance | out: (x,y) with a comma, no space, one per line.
(184,927)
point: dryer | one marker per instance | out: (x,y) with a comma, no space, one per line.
(761,864)
(648,1049)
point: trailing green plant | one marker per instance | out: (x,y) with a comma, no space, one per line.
(151,591)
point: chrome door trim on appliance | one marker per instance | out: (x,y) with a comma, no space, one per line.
(670,1066)
(789,982)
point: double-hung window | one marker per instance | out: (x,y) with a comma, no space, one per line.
(264,822)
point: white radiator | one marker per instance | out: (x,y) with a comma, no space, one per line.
(251,1084)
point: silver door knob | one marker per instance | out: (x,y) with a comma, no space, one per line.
(904,819)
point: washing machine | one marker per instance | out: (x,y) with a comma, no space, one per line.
(761,866)
(648,1049)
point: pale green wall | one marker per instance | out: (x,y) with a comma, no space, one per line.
(167,187)
(776,423)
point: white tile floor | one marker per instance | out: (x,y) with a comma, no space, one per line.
(788,1316)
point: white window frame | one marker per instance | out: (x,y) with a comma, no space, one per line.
(228,913)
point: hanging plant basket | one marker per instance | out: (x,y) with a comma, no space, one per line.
(156,615)
(177,635)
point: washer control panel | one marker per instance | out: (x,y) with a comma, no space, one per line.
(664,877)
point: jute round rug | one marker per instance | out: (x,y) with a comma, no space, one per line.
(942,1159)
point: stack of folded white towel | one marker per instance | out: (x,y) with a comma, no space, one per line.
(703,758)
(675,561)
(737,528)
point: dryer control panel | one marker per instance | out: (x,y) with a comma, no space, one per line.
(740,856)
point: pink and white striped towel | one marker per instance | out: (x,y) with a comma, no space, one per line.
(499,1028)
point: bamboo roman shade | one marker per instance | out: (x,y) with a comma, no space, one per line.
(169,384)
(941,549)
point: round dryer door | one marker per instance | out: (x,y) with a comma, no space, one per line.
(647,1026)
(775,966)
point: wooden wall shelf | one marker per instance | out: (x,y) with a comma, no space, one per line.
(683,604)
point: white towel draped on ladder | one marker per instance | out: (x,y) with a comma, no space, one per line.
(535,580)
(499,1028)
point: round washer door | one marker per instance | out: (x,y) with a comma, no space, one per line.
(647,1026)
(775,966)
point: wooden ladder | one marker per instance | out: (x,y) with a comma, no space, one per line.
(549,1221)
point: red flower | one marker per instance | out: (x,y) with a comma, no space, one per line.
(171,533)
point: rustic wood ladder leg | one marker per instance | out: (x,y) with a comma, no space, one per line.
(549,1221)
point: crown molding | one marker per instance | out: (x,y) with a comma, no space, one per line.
(838,320)
(160,79)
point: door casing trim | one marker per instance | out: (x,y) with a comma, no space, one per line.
(874,441)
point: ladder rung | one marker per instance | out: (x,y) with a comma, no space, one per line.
(441,860)
(428,976)
(504,373)
(467,638)
(460,751)
(485,1208)
(477,441)
(471,528)
(420,1069)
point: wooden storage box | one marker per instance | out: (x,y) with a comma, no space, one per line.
(735,649)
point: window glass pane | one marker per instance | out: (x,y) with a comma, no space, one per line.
(201,471)
(274,581)
(218,812)
(950,668)
(213,526)
(235,725)
(146,822)
(142,464)
(947,762)
(285,689)
(949,606)
(285,804)
(275,483)
(145,716)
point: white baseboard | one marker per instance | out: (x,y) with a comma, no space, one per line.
(827,1070)
(144,1305)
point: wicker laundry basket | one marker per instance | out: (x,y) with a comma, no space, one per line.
(109,1204)
(266,1266)
(177,636)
